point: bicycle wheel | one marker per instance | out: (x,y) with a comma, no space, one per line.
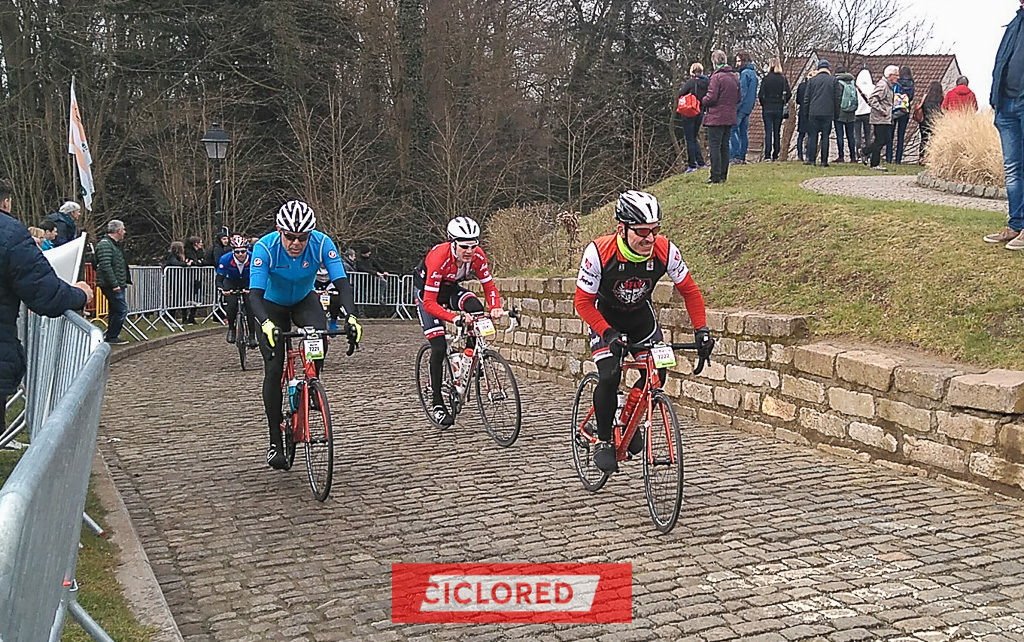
(497,398)
(319,439)
(584,435)
(663,463)
(449,395)
(288,426)
(241,339)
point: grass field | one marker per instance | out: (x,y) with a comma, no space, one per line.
(891,272)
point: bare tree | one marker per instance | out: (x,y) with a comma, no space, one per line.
(790,29)
(871,27)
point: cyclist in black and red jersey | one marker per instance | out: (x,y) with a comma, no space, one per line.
(613,296)
(439,295)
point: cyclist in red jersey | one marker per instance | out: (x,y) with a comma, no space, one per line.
(613,296)
(439,295)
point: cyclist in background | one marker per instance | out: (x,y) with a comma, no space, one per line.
(439,295)
(613,296)
(323,284)
(284,265)
(233,274)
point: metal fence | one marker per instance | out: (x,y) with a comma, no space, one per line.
(42,502)
(392,293)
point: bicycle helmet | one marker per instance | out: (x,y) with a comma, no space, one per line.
(238,243)
(296,216)
(635,207)
(463,228)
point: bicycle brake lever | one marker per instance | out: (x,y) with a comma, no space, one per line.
(701,362)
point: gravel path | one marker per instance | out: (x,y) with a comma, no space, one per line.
(900,188)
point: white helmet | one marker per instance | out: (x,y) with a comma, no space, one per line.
(635,207)
(463,228)
(296,216)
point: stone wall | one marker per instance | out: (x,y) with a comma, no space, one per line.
(770,378)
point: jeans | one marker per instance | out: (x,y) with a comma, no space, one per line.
(801,145)
(739,139)
(899,132)
(691,126)
(1010,124)
(117,312)
(820,127)
(718,141)
(883,134)
(847,130)
(862,133)
(772,134)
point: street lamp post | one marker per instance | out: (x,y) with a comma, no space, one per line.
(217,142)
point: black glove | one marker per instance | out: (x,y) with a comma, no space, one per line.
(615,342)
(705,344)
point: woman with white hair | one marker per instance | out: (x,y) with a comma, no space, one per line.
(66,220)
(881,114)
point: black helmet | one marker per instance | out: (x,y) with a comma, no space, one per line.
(636,207)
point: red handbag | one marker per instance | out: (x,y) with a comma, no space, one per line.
(688,106)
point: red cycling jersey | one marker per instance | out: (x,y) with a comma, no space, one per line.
(440,269)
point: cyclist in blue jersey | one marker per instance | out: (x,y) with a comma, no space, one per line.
(284,265)
(233,275)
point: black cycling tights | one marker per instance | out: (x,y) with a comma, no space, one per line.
(307,312)
(439,348)
(608,377)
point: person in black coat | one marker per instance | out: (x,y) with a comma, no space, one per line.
(802,118)
(824,95)
(698,86)
(194,257)
(25,277)
(773,96)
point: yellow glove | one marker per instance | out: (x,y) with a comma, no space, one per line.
(352,327)
(270,331)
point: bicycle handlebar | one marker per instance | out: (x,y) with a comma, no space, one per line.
(302,333)
(647,345)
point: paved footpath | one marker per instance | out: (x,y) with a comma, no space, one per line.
(898,188)
(776,542)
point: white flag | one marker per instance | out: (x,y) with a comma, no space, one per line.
(80,148)
(67,258)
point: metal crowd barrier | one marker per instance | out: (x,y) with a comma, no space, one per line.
(144,297)
(189,287)
(42,502)
(393,292)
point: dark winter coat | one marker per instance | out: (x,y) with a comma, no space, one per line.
(722,99)
(111,266)
(696,85)
(802,107)
(822,99)
(774,93)
(748,89)
(25,276)
(67,229)
(1006,48)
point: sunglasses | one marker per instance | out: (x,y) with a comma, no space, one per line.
(241,250)
(291,236)
(467,246)
(645,232)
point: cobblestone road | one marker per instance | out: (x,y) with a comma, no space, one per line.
(898,188)
(775,542)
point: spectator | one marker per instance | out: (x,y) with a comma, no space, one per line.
(803,120)
(720,114)
(960,97)
(846,122)
(25,277)
(219,247)
(66,220)
(862,127)
(38,236)
(903,92)
(773,96)
(49,234)
(823,108)
(931,109)
(881,115)
(1007,98)
(175,258)
(748,95)
(348,260)
(113,278)
(194,257)
(698,86)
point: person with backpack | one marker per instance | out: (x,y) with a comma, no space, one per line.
(903,98)
(773,96)
(862,126)
(846,122)
(823,108)
(688,107)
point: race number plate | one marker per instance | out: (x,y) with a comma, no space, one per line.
(485,327)
(313,346)
(325,299)
(664,357)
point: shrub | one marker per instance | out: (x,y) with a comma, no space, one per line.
(533,237)
(964,148)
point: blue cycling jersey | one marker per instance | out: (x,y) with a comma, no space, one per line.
(229,268)
(285,280)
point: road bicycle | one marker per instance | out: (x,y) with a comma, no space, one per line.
(481,370)
(653,414)
(307,415)
(242,337)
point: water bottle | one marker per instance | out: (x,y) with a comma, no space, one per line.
(455,359)
(467,360)
(293,393)
(620,404)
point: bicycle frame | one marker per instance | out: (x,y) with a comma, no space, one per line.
(465,332)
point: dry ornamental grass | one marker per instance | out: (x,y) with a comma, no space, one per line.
(965,148)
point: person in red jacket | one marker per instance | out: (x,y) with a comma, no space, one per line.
(960,97)
(439,293)
(613,296)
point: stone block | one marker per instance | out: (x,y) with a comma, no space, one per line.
(851,403)
(526,357)
(556,362)
(673,388)
(712,417)
(867,368)
(781,354)
(725,347)
(530,305)
(540,358)
(716,320)
(756,324)
(1011,441)
(755,427)
(904,415)
(564,308)
(575,366)
(804,389)
(873,436)
(751,351)
(520,339)
(589,366)
(547,342)
(995,391)
(698,392)
(572,326)
(561,343)
(734,322)
(547,306)
(713,371)
(751,376)
(553,325)
(997,469)
(930,453)
(967,428)
(579,346)
(554,286)
(845,453)
(923,380)
(728,397)
(662,293)
(816,358)
(752,401)
(777,408)
(787,325)
(826,424)
(903,469)
(535,286)
(791,437)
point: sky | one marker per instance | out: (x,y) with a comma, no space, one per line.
(971,30)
